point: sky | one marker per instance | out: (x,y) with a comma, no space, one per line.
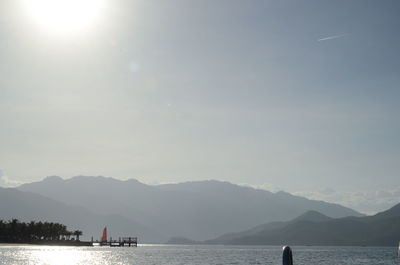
(294,95)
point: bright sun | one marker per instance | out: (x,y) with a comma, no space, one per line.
(62,16)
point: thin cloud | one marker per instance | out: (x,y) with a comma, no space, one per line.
(368,202)
(332,37)
(7,182)
(265,186)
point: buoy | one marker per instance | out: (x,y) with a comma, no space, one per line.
(398,251)
(287,257)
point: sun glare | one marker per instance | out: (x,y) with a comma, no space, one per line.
(61,16)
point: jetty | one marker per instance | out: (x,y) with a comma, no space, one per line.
(121,242)
(54,234)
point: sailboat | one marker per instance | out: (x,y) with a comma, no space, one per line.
(104,236)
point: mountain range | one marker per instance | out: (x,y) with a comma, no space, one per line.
(27,206)
(155,213)
(197,210)
(314,228)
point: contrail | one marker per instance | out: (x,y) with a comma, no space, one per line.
(332,37)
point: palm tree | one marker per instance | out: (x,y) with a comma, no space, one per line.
(68,234)
(16,231)
(77,233)
(40,230)
(14,228)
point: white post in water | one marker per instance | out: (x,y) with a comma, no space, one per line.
(287,257)
(398,251)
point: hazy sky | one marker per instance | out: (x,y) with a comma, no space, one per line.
(299,95)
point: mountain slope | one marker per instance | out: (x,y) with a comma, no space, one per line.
(28,206)
(392,212)
(197,210)
(311,216)
(313,228)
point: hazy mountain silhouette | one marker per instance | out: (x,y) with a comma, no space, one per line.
(27,206)
(312,216)
(313,228)
(392,212)
(197,210)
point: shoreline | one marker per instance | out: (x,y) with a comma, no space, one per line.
(51,243)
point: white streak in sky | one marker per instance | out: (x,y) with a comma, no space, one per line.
(7,182)
(332,37)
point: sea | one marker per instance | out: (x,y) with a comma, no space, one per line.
(195,255)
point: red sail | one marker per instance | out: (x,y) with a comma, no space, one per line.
(104,236)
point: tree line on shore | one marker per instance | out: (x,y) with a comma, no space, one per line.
(16,231)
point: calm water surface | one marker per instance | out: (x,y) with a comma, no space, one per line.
(195,255)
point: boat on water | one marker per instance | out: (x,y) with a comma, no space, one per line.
(121,242)
(103,241)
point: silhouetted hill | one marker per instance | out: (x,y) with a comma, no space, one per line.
(312,216)
(197,210)
(392,212)
(27,206)
(313,228)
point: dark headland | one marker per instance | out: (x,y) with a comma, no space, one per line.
(39,233)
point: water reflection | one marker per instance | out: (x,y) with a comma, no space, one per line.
(28,255)
(61,256)
(195,255)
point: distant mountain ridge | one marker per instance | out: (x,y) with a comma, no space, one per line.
(313,228)
(197,210)
(27,206)
(312,216)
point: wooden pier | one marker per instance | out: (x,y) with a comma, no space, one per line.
(121,242)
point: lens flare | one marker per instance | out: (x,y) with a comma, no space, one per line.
(64,15)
